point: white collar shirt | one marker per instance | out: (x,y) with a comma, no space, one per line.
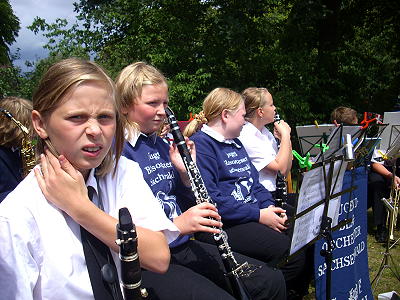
(262,148)
(134,135)
(41,255)
(217,136)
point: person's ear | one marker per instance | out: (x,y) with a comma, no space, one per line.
(260,112)
(39,125)
(225,115)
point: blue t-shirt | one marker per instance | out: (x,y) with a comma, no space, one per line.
(152,155)
(231,179)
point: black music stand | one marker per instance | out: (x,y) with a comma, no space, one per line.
(316,219)
(337,140)
(313,219)
(368,141)
(309,135)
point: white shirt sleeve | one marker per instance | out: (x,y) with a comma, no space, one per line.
(261,147)
(377,157)
(134,193)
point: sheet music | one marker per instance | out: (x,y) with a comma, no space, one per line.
(394,146)
(336,140)
(312,190)
(309,135)
(306,228)
(391,118)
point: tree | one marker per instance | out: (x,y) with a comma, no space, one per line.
(312,56)
(9,27)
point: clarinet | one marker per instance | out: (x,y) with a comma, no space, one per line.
(281,188)
(234,269)
(131,276)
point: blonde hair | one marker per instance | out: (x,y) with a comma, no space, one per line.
(254,98)
(57,82)
(131,80)
(10,134)
(345,115)
(216,101)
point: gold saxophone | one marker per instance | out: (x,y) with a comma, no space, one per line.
(392,205)
(27,148)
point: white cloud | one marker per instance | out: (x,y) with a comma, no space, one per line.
(31,45)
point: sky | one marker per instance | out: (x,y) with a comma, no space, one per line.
(31,45)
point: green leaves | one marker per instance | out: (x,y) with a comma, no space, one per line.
(9,27)
(312,55)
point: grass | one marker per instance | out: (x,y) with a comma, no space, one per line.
(387,281)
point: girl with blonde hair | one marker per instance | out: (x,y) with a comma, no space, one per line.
(260,143)
(255,226)
(46,221)
(144,97)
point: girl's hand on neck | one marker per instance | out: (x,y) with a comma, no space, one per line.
(62,184)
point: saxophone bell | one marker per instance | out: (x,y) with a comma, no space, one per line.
(27,149)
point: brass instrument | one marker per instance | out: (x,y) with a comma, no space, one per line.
(27,148)
(392,205)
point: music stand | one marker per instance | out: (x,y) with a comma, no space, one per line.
(309,135)
(317,210)
(368,141)
(336,140)
(392,119)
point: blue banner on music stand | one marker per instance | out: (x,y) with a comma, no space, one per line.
(350,274)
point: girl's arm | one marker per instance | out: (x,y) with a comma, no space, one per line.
(283,159)
(381,169)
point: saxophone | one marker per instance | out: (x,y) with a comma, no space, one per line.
(27,148)
(235,270)
(392,205)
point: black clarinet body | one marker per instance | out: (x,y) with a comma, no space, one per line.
(281,187)
(131,276)
(235,271)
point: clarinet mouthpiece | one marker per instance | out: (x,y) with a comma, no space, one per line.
(125,220)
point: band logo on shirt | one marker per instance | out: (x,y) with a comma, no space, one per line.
(160,176)
(168,203)
(155,155)
(240,161)
(243,185)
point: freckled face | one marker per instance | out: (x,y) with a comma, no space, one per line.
(148,110)
(82,127)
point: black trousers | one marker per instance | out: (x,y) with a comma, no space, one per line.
(197,272)
(269,246)
(181,283)
(378,188)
